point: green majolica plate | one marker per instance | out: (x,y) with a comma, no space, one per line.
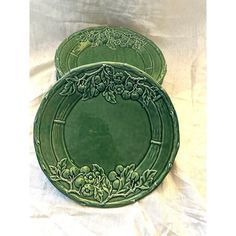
(106,134)
(114,44)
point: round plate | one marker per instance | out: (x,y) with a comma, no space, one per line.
(106,134)
(114,44)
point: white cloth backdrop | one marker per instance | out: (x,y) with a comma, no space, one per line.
(178,205)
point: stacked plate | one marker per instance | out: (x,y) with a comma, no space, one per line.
(106,134)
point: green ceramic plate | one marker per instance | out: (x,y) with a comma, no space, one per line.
(106,134)
(114,44)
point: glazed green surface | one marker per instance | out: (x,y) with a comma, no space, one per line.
(106,134)
(114,44)
(107,130)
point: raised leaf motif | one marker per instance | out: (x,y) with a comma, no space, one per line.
(69,89)
(92,91)
(110,97)
(127,171)
(146,97)
(98,194)
(55,178)
(53,169)
(106,185)
(143,187)
(62,164)
(147,177)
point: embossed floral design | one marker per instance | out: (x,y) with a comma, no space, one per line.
(119,77)
(94,184)
(119,88)
(90,177)
(110,82)
(112,38)
(87,190)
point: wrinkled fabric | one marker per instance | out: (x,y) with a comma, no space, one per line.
(177,206)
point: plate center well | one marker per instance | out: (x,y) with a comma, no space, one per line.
(98,132)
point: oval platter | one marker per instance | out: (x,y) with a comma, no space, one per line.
(115,44)
(106,134)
